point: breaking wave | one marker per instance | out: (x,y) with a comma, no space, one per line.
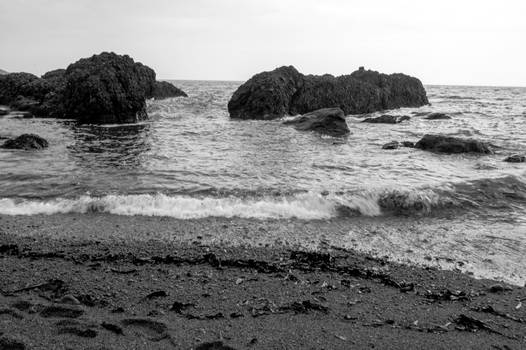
(478,195)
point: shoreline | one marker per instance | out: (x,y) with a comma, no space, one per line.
(179,293)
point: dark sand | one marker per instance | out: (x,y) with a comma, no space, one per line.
(112,282)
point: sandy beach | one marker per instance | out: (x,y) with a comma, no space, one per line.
(84,282)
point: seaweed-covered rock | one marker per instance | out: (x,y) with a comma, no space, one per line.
(447,144)
(328,121)
(285,91)
(27,142)
(164,89)
(387,119)
(107,88)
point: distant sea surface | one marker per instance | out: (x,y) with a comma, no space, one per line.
(190,160)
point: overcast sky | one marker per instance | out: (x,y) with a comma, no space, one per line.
(440,41)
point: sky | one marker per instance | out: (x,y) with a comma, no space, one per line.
(457,42)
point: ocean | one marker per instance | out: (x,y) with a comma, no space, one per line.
(191,161)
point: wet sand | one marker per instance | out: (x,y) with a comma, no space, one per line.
(112,282)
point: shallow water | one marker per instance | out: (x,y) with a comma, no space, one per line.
(191,161)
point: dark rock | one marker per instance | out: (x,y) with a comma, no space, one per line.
(328,121)
(22,84)
(107,88)
(304,307)
(27,142)
(156,294)
(112,328)
(498,288)
(408,144)
(61,311)
(217,345)
(285,91)
(79,332)
(11,344)
(391,145)
(437,116)
(515,159)
(178,306)
(164,89)
(387,119)
(446,144)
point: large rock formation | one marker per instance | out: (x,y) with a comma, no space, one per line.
(164,89)
(107,88)
(104,88)
(27,142)
(285,91)
(327,121)
(447,144)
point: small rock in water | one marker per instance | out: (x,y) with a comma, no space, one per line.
(387,119)
(448,144)
(217,345)
(26,142)
(391,145)
(515,159)
(497,288)
(11,344)
(408,144)
(437,116)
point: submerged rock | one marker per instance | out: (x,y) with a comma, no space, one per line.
(515,159)
(387,119)
(408,144)
(328,121)
(391,145)
(285,91)
(164,89)
(27,142)
(437,116)
(447,144)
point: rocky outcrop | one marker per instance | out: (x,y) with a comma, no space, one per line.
(27,142)
(107,88)
(104,88)
(446,144)
(387,119)
(285,91)
(164,89)
(327,121)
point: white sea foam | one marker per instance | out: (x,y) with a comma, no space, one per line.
(306,206)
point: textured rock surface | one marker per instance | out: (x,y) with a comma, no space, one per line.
(105,88)
(284,91)
(27,142)
(164,89)
(328,121)
(387,119)
(446,144)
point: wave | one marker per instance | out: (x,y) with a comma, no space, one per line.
(481,195)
